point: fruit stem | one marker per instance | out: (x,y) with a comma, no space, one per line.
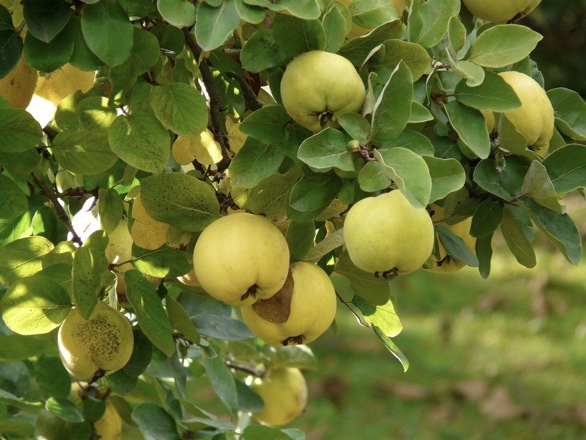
(356,315)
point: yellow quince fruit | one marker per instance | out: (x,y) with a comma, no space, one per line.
(319,86)
(386,233)
(284,394)
(500,11)
(101,343)
(241,258)
(299,313)
(19,85)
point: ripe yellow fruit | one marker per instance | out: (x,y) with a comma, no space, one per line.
(119,247)
(386,234)
(489,120)
(284,394)
(19,85)
(189,279)
(500,11)
(109,426)
(103,342)
(535,118)
(63,82)
(241,258)
(446,263)
(299,313)
(146,232)
(318,86)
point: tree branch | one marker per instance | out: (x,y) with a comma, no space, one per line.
(61,214)
(215,98)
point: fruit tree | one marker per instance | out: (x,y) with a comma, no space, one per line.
(193,189)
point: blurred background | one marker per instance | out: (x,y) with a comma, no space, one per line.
(502,358)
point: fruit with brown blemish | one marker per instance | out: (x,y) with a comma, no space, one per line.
(299,313)
(96,346)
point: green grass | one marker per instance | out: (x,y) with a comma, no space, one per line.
(521,333)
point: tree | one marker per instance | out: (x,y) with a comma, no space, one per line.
(185,120)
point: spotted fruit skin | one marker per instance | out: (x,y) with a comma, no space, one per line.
(102,342)
(241,258)
(386,233)
(284,394)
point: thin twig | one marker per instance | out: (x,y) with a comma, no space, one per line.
(61,214)
(356,315)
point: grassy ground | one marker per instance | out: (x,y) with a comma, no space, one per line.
(503,358)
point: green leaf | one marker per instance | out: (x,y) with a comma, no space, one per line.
(48,57)
(23,258)
(375,291)
(180,108)
(14,201)
(393,106)
(419,114)
(85,281)
(17,347)
(357,126)
(93,409)
(260,432)
(487,217)
(222,380)
(261,52)
(83,152)
(335,29)
(45,18)
(456,34)
(435,16)
(510,138)
(470,126)
(267,124)
(52,377)
(107,31)
(413,141)
(358,49)
(141,141)
(312,194)
(473,73)
(566,168)
(409,171)
(382,316)
(18,402)
(82,57)
(395,51)
(300,238)
(214,25)
(19,131)
(63,408)
(95,114)
(34,305)
(154,422)
(390,345)
(516,239)
(570,112)
(372,177)
(324,247)
(110,208)
(249,14)
(483,249)
(306,9)
(455,246)
(149,311)
(537,185)
(181,200)
(295,36)
(487,176)
(493,94)
(502,45)
(142,353)
(559,228)
(447,176)
(180,321)
(326,150)
(269,197)
(179,13)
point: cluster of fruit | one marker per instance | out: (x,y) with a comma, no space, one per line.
(244,260)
